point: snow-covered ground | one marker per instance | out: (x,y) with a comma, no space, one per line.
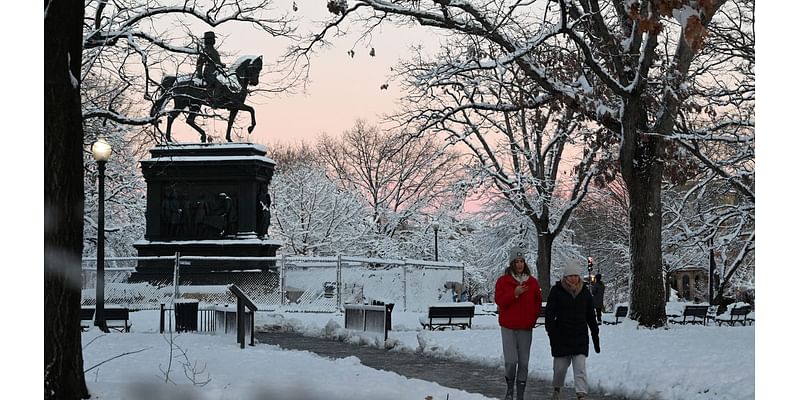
(683,362)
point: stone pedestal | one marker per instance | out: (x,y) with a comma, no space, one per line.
(206,200)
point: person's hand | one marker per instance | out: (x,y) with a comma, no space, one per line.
(596,341)
(520,289)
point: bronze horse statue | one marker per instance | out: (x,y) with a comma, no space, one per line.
(188,91)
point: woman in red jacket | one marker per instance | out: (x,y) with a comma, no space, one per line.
(519,299)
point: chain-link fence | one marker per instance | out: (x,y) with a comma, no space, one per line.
(313,284)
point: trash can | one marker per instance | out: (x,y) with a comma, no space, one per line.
(389,308)
(186,315)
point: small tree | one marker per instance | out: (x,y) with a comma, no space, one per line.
(397,180)
(523,148)
(602,228)
(710,222)
(495,229)
(313,216)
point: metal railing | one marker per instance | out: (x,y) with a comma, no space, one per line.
(214,319)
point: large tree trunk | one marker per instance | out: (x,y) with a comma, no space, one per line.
(544,252)
(63,200)
(642,168)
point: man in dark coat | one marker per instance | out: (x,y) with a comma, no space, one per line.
(569,317)
(598,292)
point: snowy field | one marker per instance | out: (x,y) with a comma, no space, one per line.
(683,362)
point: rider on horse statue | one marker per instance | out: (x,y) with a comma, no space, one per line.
(210,68)
(220,89)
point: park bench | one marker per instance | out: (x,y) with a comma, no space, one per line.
(734,316)
(116,318)
(444,315)
(692,314)
(619,312)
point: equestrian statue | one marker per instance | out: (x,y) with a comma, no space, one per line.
(211,85)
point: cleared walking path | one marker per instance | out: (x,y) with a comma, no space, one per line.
(460,375)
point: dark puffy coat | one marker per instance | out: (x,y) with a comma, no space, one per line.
(598,292)
(568,321)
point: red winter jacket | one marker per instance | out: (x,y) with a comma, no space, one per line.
(517,313)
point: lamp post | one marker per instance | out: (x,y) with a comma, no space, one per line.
(712,266)
(435,226)
(101,151)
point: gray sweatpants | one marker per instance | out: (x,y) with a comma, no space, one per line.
(560,365)
(516,352)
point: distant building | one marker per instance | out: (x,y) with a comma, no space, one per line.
(691,282)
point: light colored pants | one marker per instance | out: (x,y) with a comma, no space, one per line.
(516,352)
(560,365)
